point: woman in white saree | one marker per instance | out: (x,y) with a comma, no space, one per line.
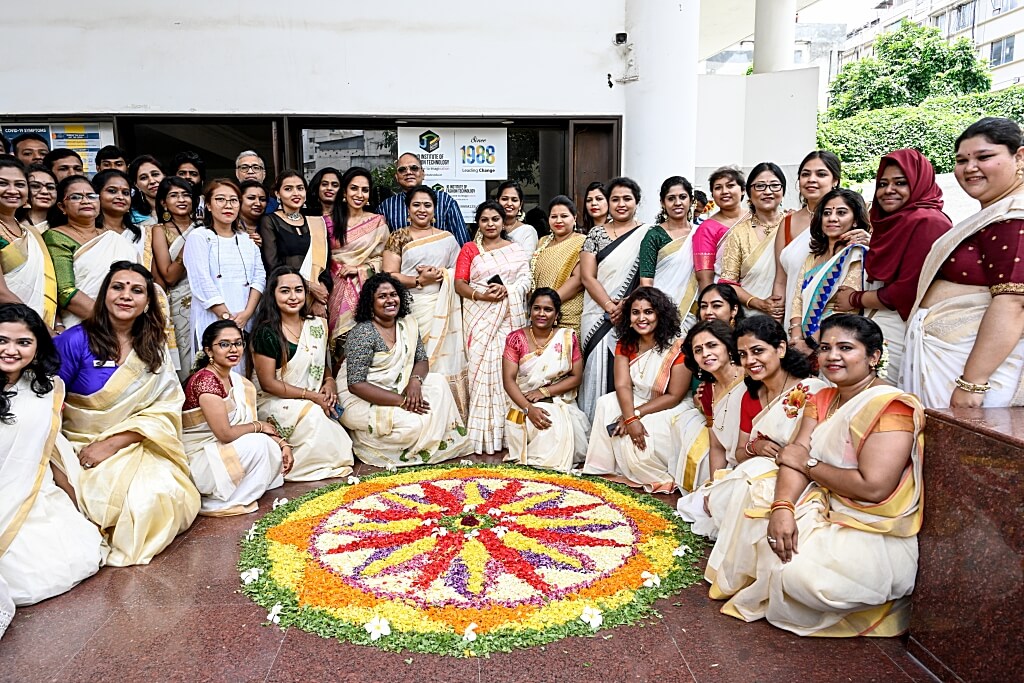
(709,442)
(423,259)
(965,338)
(25,265)
(399,413)
(122,416)
(778,385)
(297,391)
(666,253)
(833,262)
(748,259)
(234,458)
(825,542)
(46,545)
(510,195)
(492,276)
(81,252)
(610,267)
(544,427)
(634,439)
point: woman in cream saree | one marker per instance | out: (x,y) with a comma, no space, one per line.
(824,543)
(544,428)
(424,427)
(26,267)
(46,545)
(122,416)
(422,258)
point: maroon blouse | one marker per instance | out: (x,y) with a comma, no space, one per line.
(990,257)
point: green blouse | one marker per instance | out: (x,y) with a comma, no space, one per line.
(62,252)
(654,240)
(264,342)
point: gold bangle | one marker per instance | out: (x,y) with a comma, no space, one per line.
(971,387)
(303,396)
(545,392)
(747,305)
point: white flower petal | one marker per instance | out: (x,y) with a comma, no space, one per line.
(465,462)
(469,635)
(681,551)
(352,479)
(278,502)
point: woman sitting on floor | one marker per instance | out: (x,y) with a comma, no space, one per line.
(634,438)
(828,545)
(297,392)
(46,545)
(398,413)
(544,427)
(234,458)
(122,415)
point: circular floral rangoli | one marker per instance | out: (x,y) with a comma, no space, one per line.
(467,559)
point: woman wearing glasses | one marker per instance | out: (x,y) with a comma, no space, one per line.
(748,261)
(225,270)
(42,192)
(234,458)
(26,271)
(81,250)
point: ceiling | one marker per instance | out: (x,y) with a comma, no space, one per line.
(726,22)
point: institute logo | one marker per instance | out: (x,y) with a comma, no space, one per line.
(429,141)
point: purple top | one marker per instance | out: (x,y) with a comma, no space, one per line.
(78,365)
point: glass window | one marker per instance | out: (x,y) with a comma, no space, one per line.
(1002,51)
(963,16)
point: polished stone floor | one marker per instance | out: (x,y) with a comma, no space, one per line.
(182,619)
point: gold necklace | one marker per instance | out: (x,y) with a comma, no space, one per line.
(538,348)
(782,391)
(765,227)
(725,411)
(647,361)
(297,335)
(10,233)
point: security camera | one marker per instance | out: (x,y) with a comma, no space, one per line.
(621,38)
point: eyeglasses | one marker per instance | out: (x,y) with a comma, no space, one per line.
(176,196)
(225,201)
(80,197)
(761,187)
(226,345)
(414,168)
(49,187)
(248,168)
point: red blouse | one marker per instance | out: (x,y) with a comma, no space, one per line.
(465,260)
(990,257)
(516,347)
(202,382)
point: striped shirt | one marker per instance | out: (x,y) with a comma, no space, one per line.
(448,213)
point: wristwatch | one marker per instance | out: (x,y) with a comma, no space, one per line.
(225,316)
(636,412)
(811,462)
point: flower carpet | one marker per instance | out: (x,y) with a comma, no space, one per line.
(466,559)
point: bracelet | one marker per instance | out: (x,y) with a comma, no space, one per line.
(416,377)
(747,305)
(971,387)
(749,448)
(783,505)
(857,300)
(303,394)
(405,399)
(545,392)
(630,420)
(607,304)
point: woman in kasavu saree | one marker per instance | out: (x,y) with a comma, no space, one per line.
(398,412)
(825,542)
(233,457)
(541,369)
(46,545)
(635,439)
(122,415)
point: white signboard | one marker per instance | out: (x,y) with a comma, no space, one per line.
(481,153)
(458,153)
(468,193)
(434,146)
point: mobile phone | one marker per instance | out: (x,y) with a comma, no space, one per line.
(612,427)
(496,280)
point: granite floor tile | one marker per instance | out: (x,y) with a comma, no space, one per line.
(896,650)
(306,657)
(170,644)
(202,572)
(628,653)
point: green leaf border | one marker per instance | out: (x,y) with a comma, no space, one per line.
(267,593)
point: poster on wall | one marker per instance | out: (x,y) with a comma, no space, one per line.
(458,153)
(481,153)
(468,193)
(84,138)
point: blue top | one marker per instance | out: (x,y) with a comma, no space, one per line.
(448,215)
(82,373)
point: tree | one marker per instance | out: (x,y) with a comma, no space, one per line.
(910,64)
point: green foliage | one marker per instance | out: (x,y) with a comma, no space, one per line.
(910,65)
(931,128)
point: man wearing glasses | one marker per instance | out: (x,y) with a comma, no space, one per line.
(249,166)
(409,174)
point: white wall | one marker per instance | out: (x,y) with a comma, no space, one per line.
(318,57)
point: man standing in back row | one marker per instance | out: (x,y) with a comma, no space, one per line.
(409,174)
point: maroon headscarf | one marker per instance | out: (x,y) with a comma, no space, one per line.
(900,241)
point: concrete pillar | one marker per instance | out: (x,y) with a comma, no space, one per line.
(774,35)
(660,124)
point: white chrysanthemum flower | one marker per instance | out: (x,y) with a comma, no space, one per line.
(466,462)
(274,615)
(278,502)
(440,531)
(251,533)
(352,479)
(500,530)
(650,580)
(392,468)
(250,575)
(469,635)
(681,551)
(469,508)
